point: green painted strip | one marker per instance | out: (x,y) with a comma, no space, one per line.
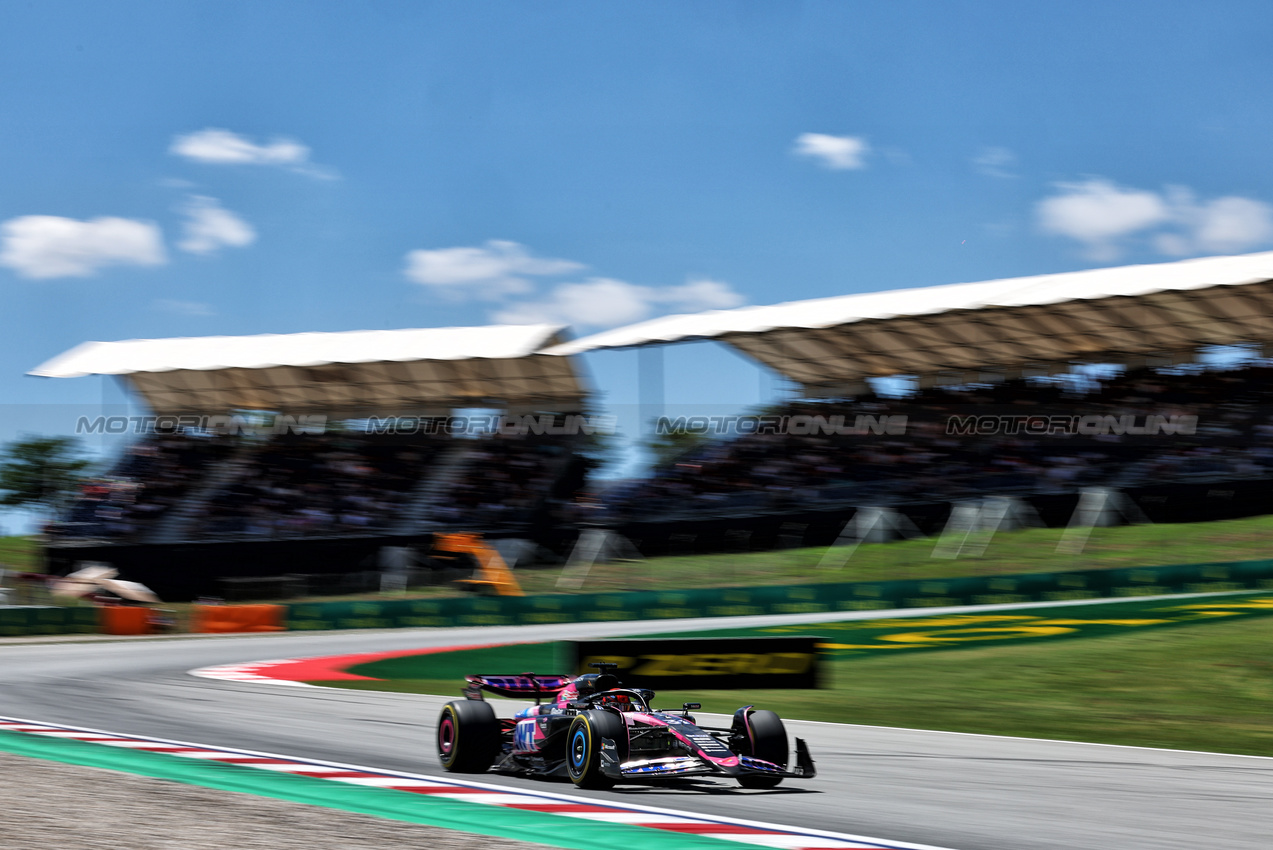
(856,638)
(549,658)
(553,830)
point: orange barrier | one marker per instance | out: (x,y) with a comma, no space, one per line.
(493,575)
(238,618)
(123,620)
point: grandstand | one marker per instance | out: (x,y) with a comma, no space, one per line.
(257,489)
(313,454)
(989,417)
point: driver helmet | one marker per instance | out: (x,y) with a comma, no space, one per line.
(623,702)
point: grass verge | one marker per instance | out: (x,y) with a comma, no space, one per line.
(21,554)
(1024,551)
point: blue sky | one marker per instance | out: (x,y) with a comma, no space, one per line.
(173,169)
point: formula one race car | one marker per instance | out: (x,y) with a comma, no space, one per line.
(598,733)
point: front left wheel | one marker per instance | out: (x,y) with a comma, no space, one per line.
(468,736)
(761,736)
(583,747)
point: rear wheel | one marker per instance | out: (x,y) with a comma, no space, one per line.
(468,736)
(764,737)
(583,747)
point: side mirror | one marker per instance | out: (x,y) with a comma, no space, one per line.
(691,706)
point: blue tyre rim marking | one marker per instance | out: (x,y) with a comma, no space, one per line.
(579,748)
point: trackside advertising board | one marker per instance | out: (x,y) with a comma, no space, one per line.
(706,663)
(47,620)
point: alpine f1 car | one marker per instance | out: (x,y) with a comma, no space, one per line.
(599,733)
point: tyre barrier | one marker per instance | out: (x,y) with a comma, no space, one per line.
(125,620)
(222,619)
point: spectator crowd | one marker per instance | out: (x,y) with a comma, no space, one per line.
(933,460)
(150,480)
(351,482)
(318,484)
(503,482)
(292,485)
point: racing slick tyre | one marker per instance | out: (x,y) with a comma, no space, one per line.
(764,737)
(583,747)
(468,736)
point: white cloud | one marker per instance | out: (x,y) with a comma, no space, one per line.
(222,147)
(606,302)
(47,246)
(840,153)
(996,162)
(495,269)
(1103,216)
(209,227)
(1229,225)
(498,269)
(1098,213)
(184,308)
(698,294)
(599,301)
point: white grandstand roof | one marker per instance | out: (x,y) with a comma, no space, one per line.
(950,334)
(384,373)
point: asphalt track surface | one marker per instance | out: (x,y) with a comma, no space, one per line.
(960,791)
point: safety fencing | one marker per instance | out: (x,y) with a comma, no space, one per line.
(794,599)
(446,612)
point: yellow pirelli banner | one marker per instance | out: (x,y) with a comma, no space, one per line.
(707,663)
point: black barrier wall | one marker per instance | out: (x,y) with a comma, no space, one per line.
(181,572)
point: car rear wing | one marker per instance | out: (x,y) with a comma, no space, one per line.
(523,685)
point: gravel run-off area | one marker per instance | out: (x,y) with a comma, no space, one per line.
(48,805)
